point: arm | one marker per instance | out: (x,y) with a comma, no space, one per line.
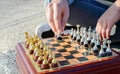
(69,1)
(108,19)
(57,13)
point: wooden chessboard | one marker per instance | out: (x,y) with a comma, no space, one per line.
(70,57)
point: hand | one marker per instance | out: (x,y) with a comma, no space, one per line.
(108,19)
(57,13)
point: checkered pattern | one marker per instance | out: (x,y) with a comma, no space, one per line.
(67,53)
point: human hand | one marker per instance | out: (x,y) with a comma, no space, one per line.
(108,19)
(57,13)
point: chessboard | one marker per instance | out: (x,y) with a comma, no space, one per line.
(69,59)
(79,52)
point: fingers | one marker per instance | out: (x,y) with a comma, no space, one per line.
(57,18)
(98,30)
(101,29)
(104,29)
(64,19)
(108,30)
(49,13)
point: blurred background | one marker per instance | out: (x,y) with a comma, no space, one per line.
(16,17)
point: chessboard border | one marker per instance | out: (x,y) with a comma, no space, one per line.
(75,68)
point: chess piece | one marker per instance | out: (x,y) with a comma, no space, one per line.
(59,37)
(78,38)
(54,63)
(81,32)
(95,50)
(84,30)
(105,41)
(102,52)
(98,44)
(45,64)
(41,45)
(36,49)
(89,38)
(82,41)
(108,50)
(72,32)
(50,58)
(86,43)
(74,35)
(90,29)
(93,41)
(31,49)
(48,52)
(78,27)
(40,60)
(27,41)
(104,46)
(37,54)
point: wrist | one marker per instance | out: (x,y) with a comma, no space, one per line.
(117,3)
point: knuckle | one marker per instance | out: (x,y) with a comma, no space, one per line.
(49,6)
(100,21)
(56,17)
(50,20)
(56,5)
(108,30)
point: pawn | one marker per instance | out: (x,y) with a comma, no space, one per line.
(108,50)
(93,41)
(89,39)
(82,41)
(27,41)
(45,64)
(86,43)
(95,50)
(36,55)
(72,32)
(54,63)
(78,38)
(41,45)
(105,41)
(50,58)
(81,32)
(98,44)
(74,35)
(59,37)
(40,60)
(32,47)
(45,47)
(104,46)
(102,53)
(78,27)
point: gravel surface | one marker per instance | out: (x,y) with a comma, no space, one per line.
(16,17)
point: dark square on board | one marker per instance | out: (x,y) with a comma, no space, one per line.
(81,59)
(65,62)
(66,46)
(69,57)
(62,50)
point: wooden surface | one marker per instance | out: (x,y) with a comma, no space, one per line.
(109,65)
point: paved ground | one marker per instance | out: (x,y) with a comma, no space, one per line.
(16,17)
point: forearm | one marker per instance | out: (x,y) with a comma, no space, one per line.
(69,1)
(117,2)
